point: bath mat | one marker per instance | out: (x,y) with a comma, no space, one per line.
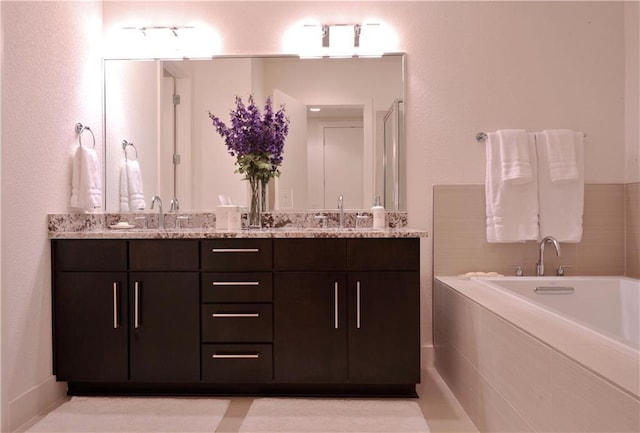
(333,415)
(133,414)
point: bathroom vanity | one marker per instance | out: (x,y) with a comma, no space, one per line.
(248,312)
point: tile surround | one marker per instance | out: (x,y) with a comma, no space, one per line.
(611,235)
(509,380)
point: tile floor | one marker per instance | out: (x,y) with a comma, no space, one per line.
(441,410)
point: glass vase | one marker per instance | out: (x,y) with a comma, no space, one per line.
(255,206)
(263,195)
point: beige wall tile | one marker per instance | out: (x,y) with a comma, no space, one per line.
(497,415)
(582,402)
(459,238)
(518,367)
(632,207)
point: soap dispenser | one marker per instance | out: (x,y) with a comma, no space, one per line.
(378,215)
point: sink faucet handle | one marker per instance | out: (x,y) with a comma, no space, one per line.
(519,270)
(180,219)
(323,218)
(560,270)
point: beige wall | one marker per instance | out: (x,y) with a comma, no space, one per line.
(632,204)
(471,66)
(50,81)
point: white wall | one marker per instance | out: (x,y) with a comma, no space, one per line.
(632,90)
(50,80)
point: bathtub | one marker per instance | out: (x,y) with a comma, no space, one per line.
(606,305)
(552,354)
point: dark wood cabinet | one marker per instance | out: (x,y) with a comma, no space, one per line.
(310,327)
(384,337)
(164,332)
(248,315)
(356,326)
(90,332)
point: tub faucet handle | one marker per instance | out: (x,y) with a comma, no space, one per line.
(519,270)
(560,270)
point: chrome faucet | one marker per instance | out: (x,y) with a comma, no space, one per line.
(160,214)
(174,205)
(540,265)
(341,209)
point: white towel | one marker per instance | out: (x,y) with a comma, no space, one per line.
(561,203)
(86,181)
(511,207)
(515,156)
(561,155)
(131,189)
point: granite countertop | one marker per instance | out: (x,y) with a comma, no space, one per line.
(204,233)
(201,225)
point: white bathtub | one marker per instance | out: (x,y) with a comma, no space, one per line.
(562,358)
(606,305)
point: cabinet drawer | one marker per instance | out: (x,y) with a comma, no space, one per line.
(383,254)
(89,254)
(163,255)
(241,363)
(309,254)
(246,323)
(237,255)
(237,287)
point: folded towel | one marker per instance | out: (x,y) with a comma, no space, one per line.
(514,155)
(86,181)
(561,203)
(561,155)
(511,207)
(131,189)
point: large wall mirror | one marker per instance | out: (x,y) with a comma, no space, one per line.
(353,146)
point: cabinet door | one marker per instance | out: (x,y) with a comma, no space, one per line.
(310,327)
(90,326)
(384,327)
(165,326)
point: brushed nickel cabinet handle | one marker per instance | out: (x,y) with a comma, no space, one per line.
(136,307)
(235,250)
(115,305)
(358,305)
(236,283)
(335,305)
(236,356)
(234,315)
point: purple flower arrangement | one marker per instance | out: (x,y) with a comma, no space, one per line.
(257,141)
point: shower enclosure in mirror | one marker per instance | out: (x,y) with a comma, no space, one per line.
(342,139)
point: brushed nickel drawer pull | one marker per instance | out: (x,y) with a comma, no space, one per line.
(236,283)
(236,356)
(235,250)
(115,305)
(358,305)
(136,307)
(335,305)
(234,315)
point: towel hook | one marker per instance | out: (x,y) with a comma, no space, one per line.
(125,143)
(80,128)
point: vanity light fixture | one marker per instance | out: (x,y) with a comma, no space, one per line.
(166,42)
(340,40)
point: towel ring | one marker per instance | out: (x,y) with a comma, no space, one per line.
(80,128)
(125,143)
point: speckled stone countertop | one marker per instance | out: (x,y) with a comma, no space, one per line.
(201,225)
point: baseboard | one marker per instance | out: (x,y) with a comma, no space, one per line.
(35,402)
(428,357)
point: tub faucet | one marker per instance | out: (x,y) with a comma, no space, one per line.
(160,214)
(341,209)
(540,265)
